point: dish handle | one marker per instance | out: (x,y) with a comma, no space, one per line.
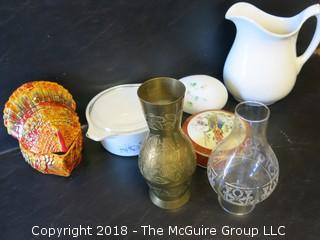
(97,134)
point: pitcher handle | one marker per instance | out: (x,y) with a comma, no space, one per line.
(312,11)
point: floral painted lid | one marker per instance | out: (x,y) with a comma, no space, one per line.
(207,129)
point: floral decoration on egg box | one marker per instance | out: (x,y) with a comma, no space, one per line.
(202,93)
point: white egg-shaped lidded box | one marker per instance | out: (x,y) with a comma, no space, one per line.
(202,93)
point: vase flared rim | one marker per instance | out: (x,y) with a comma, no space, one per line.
(177,99)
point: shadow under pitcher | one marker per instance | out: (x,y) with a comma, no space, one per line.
(166,160)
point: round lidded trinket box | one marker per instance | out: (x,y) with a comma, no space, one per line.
(206,130)
(203,93)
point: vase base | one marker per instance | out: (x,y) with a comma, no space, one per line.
(235,209)
(170,204)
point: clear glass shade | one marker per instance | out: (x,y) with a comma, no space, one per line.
(244,170)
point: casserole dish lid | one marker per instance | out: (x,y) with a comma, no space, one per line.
(115,111)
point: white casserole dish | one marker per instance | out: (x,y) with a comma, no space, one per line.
(115,118)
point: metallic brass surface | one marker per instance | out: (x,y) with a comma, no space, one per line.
(166,160)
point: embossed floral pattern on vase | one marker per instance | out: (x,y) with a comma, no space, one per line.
(165,122)
(166,160)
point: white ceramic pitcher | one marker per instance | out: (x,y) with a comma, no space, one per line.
(262,64)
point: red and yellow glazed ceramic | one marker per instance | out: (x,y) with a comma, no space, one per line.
(206,130)
(51,129)
(60,164)
(28,98)
(41,115)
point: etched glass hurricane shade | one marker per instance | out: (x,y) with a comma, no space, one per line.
(244,170)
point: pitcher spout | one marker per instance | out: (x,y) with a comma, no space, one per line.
(237,10)
(270,24)
(243,12)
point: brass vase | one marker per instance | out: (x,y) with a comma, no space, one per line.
(167,160)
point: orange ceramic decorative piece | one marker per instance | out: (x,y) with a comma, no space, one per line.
(41,115)
(60,164)
(28,98)
(50,129)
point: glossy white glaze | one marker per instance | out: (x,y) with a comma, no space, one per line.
(125,144)
(262,64)
(202,93)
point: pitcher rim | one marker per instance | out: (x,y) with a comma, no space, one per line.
(284,35)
